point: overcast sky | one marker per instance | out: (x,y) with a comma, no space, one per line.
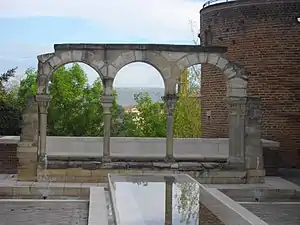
(31,27)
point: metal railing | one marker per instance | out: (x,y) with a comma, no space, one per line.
(211,2)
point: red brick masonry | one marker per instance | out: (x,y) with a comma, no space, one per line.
(8,159)
(263,36)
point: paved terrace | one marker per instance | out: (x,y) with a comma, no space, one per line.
(132,147)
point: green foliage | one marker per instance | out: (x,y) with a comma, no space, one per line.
(10,113)
(148,121)
(27,88)
(75,108)
(187,121)
(4,77)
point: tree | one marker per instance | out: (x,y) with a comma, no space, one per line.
(10,112)
(67,89)
(187,121)
(4,78)
(27,87)
(75,108)
(148,121)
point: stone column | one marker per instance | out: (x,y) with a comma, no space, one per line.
(254,161)
(170,100)
(237,107)
(106,102)
(169,200)
(43,103)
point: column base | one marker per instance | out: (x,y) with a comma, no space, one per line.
(256,176)
(106,159)
(27,156)
(169,158)
(42,161)
(27,169)
(235,163)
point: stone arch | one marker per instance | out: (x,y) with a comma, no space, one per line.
(48,63)
(235,75)
(152,58)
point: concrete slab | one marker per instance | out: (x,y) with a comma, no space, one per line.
(98,214)
(270,183)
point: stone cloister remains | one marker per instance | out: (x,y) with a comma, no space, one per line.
(170,60)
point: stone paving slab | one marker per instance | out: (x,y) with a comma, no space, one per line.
(276,214)
(270,183)
(43,212)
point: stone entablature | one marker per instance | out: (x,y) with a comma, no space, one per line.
(169,60)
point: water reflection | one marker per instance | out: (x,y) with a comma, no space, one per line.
(156,200)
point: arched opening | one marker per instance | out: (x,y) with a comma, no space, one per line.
(74,108)
(139,88)
(187,117)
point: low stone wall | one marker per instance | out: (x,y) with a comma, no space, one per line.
(133,146)
(86,153)
(208,176)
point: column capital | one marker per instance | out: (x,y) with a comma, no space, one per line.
(107,100)
(171,100)
(43,102)
(169,179)
(108,86)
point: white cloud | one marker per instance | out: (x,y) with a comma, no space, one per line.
(160,20)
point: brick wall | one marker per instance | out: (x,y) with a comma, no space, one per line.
(8,158)
(263,36)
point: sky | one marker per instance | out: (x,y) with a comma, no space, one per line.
(32,27)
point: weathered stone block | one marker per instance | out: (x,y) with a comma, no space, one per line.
(21,191)
(203,57)
(78,172)
(213,58)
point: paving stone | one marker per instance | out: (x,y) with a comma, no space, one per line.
(44,212)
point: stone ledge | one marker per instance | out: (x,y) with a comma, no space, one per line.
(149,47)
(93,165)
(89,158)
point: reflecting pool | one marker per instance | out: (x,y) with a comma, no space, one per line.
(158,200)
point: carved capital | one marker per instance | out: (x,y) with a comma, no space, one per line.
(171,100)
(169,179)
(43,102)
(42,81)
(108,86)
(106,102)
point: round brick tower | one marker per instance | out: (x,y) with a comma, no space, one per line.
(264,37)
